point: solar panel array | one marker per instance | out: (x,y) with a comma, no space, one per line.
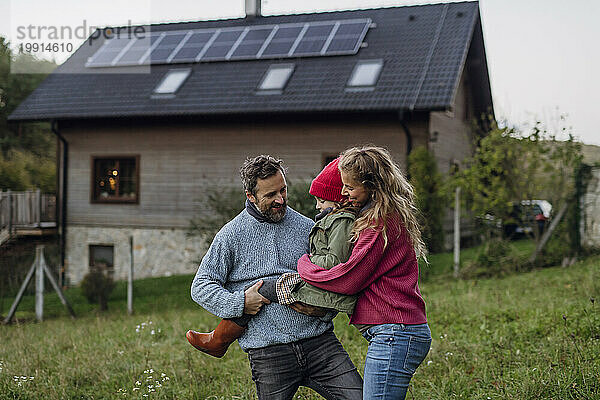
(321,38)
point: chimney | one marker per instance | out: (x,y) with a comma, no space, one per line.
(252,8)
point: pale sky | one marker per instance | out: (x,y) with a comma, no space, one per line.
(543,55)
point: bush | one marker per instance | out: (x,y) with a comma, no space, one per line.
(430,199)
(300,200)
(97,286)
(497,258)
(558,247)
(221,204)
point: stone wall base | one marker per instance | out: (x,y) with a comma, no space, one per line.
(156,252)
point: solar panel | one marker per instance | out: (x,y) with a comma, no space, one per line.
(277,49)
(316,38)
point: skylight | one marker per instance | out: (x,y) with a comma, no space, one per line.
(365,73)
(276,77)
(172,81)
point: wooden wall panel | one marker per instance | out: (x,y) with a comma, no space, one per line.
(177,162)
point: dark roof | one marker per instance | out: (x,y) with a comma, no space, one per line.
(424,49)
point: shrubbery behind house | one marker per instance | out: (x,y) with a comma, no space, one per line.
(431,198)
(221,204)
(97,285)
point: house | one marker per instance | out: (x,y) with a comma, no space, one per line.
(148,117)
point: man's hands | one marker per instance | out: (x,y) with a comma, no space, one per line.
(312,311)
(253,301)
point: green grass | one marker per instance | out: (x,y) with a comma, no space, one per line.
(534,335)
(441,265)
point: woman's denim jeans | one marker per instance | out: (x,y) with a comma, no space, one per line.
(395,351)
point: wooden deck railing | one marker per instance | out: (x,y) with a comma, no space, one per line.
(31,209)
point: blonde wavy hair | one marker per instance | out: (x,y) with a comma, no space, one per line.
(390,193)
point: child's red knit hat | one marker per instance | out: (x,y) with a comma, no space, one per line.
(328,184)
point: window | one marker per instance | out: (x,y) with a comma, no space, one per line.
(102,257)
(276,78)
(365,73)
(115,179)
(172,81)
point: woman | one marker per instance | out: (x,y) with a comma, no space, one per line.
(390,312)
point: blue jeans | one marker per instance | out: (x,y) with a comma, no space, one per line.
(320,363)
(395,351)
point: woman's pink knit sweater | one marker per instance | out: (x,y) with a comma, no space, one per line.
(387,279)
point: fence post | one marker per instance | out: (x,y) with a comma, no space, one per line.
(10,212)
(40,269)
(3,222)
(130,280)
(456,231)
(39,283)
(38,194)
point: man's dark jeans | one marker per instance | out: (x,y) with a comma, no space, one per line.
(320,363)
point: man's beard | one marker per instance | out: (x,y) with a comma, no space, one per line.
(273,214)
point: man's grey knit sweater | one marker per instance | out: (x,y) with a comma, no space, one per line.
(243,252)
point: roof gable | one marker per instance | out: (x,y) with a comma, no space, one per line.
(423,49)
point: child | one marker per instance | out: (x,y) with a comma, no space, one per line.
(329,245)
(383,268)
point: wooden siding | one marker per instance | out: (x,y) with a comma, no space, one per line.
(177,161)
(454,138)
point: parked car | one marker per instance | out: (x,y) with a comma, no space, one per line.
(525,216)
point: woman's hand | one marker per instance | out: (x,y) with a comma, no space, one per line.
(253,301)
(307,309)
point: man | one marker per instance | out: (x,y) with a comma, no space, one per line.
(286,349)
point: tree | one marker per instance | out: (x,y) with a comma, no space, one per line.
(510,166)
(27,152)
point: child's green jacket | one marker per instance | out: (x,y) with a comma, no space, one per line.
(329,245)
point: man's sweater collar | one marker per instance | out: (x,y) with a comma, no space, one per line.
(255,212)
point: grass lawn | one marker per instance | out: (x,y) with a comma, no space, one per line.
(534,335)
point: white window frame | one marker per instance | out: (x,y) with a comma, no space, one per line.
(177,81)
(283,80)
(356,81)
